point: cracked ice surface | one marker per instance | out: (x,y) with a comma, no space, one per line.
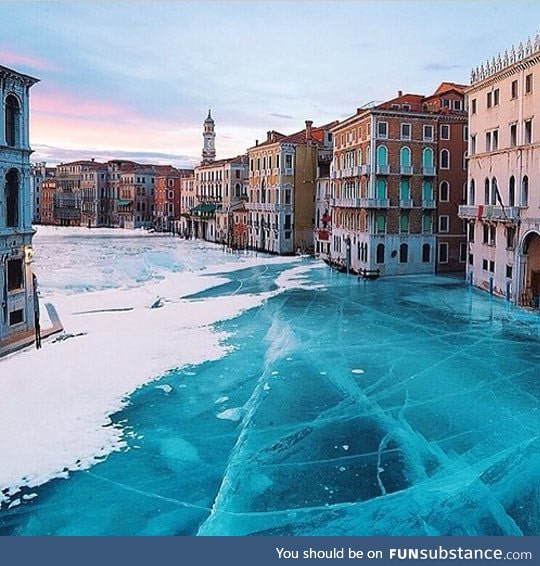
(391,407)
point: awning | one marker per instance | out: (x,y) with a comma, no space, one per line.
(123,201)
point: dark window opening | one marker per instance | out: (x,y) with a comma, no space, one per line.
(403,253)
(16,317)
(12,113)
(380,253)
(12,198)
(426,253)
(14,274)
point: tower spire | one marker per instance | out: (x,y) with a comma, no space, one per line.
(209,137)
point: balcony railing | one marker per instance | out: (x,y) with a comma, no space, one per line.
(429,203)
(428,171)
(406,203)
(406,170)
(383,169)
(347,202)
(374,202)
(489,212)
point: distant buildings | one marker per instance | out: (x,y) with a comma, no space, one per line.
(38,173)
(503,197)
(17,296)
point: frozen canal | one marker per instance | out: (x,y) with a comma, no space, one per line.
(329,405)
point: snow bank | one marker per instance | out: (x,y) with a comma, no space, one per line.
(55,402)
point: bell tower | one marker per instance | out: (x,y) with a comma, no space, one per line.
(209,136)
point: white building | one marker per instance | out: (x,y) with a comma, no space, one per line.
(16,285)
(504,176)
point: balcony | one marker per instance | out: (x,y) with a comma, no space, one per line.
(374,202)
(406,170)
(383,169)
(429,203)
(488,212)
(428,171)
(406,203)
(347,202)
(288,171)
(348,172)
(363,169)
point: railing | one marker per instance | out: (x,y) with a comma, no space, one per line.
(489,212)
(374,202)
(383,169)
(406,203)
(428,171)
(406,170)
(346,202)
(429,203)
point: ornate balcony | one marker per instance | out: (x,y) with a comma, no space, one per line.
(383,169)
(374,202)
(428,171)
(406,170)
(406,203)
(429,203)
(489,212)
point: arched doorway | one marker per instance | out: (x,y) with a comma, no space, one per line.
(530,253)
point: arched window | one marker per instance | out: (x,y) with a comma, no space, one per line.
(427,190)
(381,189)
(427,157)
(494,191)
(426,223)
(263,191)
(472,192)
(359,157)
(12,198)
(382,156)
(404,223)
(12,120)
(405,157)
(426,253)
(487,191)
(444,191)
(512,191)
(445,159)
(380,224)
(237,189)
(403,253)
(380,253)
(525,191)
(404,189)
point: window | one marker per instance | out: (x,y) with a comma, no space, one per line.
(513,135)
(405,131)
(405,157)
(381,188)
(457,104)
(512,191)
(16,317)
(488,141)
(528,131)
(465,133)
(443,252)
(528,84)
(510,237)
(404,189)
(382,130)
(426,224)
(487,192)
(495,196)
(382,156)
(380,253)
(426,253)
(380,224)
(404,223)
(428,133)
(403,253)
(443,224)
(444,191)
(514,89)
(12,120)
(525,191)
(406,106)
(12,198)
(485,264)
(473,144)
(496,97)
(470,231)
(509,272)
(492,266)
(427,190)
(495,140)
(445,132)
(445,159)
(462,252)
(427,157)
(287,196)
(15,274)
(473,106)
(489,99)
(288,161)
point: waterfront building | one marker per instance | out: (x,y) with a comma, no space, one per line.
(168,194)
(38,173)
(396,182)
(282,187)
(188,201)
(503,196)
(93,186)
(47,192)
(17,297)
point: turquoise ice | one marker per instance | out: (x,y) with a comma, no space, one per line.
(404,406)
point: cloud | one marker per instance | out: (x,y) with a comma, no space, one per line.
(285,116)
(55,155)
(11,58)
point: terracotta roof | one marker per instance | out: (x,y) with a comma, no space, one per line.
(296,138)
(446,86)
(220,162)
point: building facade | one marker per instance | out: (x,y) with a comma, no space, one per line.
(16,278)
(282,187)
(503,197)
(38,173)
(389,163)
(168,195)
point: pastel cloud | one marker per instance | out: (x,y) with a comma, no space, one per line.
(14,59)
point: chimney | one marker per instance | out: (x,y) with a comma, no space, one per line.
(309,123)
(400,93)
(268,135)
(256,143)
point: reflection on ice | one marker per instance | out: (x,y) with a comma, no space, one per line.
(388,407)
